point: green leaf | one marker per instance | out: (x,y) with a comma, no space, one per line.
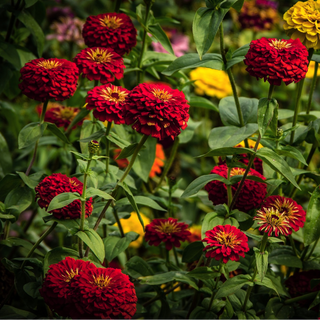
(57,132)
(62,200)
(315,302)
(238,5)
(226,152)
(93,241)
(160,35)
(17,242)
(277,163)
(31,183)
(230,136)
(127,151)
(19,199)
(291,152)
(113,137)
(8,183)
(5,159)
(137,267)
(201,102)
(261,262)
(9,312)
(211,220)
(188,133)
(9,52)
(276,309)
(192,60)
(91,192)
(196,185)
(205,26)
(312,227)
(284,255)
(95,136)
(145,201)
(30,3)
(266,109)
(26,18)
(203,273)
(80,116)
(233,284)
(193,252)
(114,246)
(229,114)
(30,134)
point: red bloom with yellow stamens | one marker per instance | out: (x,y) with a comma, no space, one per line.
(61,282)
(60,115)
(44,79)
(251,195)
(225,242)
(292,211)
(101,64)
(108,102)
(158,163)
(110,30)
(277,60)
(56,184)
(157,110)
(105,293)
(168,231)
(271,220)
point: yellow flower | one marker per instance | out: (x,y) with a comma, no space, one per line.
(311,70)
(251,144)
(302,21)
(213,83)
(133,224)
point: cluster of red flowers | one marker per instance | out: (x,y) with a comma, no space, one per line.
(251,195)
(280,215)
(56,184)
(168,231)
(79,290)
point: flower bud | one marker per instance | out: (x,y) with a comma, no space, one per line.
(93,146)
(279,132)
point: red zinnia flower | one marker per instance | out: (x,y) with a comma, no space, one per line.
(44,79)
(251,195)
(168,231)
(157,110)
(58,183)
(60,115)
(271,220)
(292,211)
(105,293)
(108,102)
(100,64)
(227,242)
(60,283)
(110,30)
(276,60)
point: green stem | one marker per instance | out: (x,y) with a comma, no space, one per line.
(43,112)
(168,163)
(140,73)
(117,6)
(11,23)
(304,297)
(312,249)
(83,205)
(115,214)
(215,286)
(108,145)
(313,85)
(96,83)
(278,174)
(6,230)
(229,190)
(293,246)
(175,255)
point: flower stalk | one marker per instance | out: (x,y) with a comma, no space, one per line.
(313,85)
(108,145)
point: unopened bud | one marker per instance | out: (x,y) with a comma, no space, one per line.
(279,132)
(93,146)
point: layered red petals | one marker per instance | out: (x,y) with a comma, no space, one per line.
(44,79)
(251,195)
(101,64)
(277,60)
(60,284)
(157,110)
(225,242)
(110,30)
(58,183)
(108,102)
(105,293)
(168,231)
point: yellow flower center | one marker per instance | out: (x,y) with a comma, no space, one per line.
(68,276)
(288,209)
(111,22)
(227,239)
(74,183)
(279,44)
(99,55)
(273,217)
(161,94)
(115,94)
(237,172)
(167,227)
(101,281)
(47,64)
(65,113)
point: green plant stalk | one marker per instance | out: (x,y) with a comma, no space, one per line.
(117,6)
(262,248)
(168,163)
(108,145)
(313,85)
(12,22)
(229,190)
(43,112)
(215,286)
(83,205)
(312,249)
(115,214)
(140,73)
(6,230)
(304,297)
(114,192)
(293,246)
(279,175)
(175,255)
(170,209)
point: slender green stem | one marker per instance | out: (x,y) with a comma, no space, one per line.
(170,209)
(229,190)
(96,83)
(6,230)
(270,92)
(167,256)
(215,286)
(313,85)
(43,112)
(278,174)
(11,22)
(175,255)
(108,145)
(117,6)
(293,246)
(312,249)
(168,163)
(143,48)
(304,297)
(115,214)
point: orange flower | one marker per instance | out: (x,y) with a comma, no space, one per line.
(158,161)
